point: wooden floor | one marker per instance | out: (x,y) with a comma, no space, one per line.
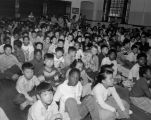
(7,93)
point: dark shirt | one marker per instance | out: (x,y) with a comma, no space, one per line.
(38,64)
(100,56)
(19,54)
(140,89)
(144,47)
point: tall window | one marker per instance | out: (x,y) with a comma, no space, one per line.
(116,10)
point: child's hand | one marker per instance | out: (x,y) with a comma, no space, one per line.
(41,78)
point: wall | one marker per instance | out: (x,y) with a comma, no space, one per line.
(140,12)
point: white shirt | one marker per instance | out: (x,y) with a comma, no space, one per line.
(58,61)
(64,92)
(23,86)
(79,54)
(107,61)
(38,112)
(131,57)
(29,52)
(134,72)
(101,94)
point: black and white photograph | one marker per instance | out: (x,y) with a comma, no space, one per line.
(75,59)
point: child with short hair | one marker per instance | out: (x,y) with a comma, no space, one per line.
(37,62)
(70,57)
(60,43)
(140,93)
(53,46)
(25,85)
(45,108)
(58,58)
(28,49)
(134,71)
(111,60)
(95,59)
(9,65)
(79,53)
(18,52)
(68,94)
(103,54)
(133,54)
(46,44)
(111,106)
(49,73)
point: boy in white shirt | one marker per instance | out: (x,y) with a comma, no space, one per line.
(134,72)
(45,108)
(25,85)
(28,49)
(69,95)
(59,59)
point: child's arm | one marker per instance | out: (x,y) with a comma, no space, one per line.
(99,96)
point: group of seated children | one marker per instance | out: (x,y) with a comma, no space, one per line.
(66,75)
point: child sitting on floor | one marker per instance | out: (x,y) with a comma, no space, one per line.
(25,85)
(58,58)
(70,57)
(140,93)
(9,65)
(18,52)
(109,107)
(45,108)
(37,62)
(134,72)
(49,73)
(111,59)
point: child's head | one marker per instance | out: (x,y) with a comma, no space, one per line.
(104,49)
(7,49)
(28,70)
(47,39)
(94,50)
(126,43)
(77,45)
(105,76)
(77,64)
(72,51)
(45,93)
(39,46)
(142,59)
(49,60)
(112,54)
(17,44)
(145,72)
(38,54)
(26,40)
(59,52)
(60,43)
(134,49)
(70,37)
(74,77)
(54,40)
